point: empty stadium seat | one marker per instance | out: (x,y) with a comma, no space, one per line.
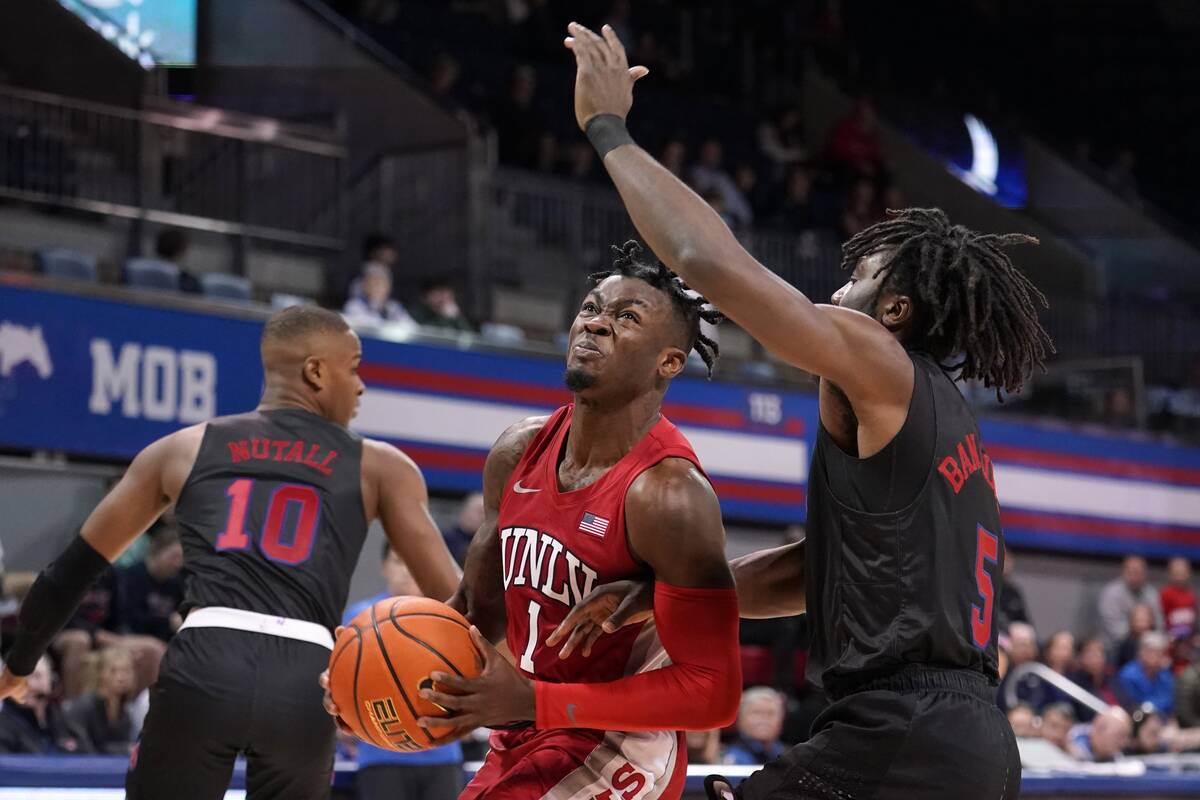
(226,286)
(60,262)
(151,273)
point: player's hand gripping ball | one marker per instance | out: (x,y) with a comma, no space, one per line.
(381,662)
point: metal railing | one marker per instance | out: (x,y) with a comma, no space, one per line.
(1063,684)
(197,168)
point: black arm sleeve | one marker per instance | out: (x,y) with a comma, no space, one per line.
(51,601)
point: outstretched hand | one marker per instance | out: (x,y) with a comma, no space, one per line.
(13,686)
(605,609)
(499,696)
(603,78)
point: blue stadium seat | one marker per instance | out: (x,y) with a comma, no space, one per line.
(151,273)
(225,286)
(60,262)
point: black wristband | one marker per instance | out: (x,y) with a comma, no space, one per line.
(52,601)
(607,132)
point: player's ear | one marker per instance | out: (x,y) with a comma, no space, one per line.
(671,362)
(313,373)
(897,311)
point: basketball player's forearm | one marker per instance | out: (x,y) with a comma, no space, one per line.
(677,224)
(770,583)
(52,601)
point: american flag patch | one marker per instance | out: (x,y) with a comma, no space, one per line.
(593,524)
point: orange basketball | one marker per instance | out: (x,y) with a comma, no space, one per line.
(382,660)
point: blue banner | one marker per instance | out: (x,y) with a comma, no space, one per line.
(104,378)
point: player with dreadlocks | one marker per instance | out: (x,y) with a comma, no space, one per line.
(904,555)
(604,489)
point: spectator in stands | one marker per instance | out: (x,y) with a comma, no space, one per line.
(444,73)
(439,307)
(716,201)
(35,725)
(470,517)
(1010,605)
(1148,729)
(1178,599)
(708,175)
(434,774)
(1057,721)
(674,157)
(371,301)
(1059,652)
(1023,720)
(521,128)
(101,718)
(1119,597)
(759,725)
(1093,673)
(151,590)
(1104,738)
(1141,620)
(1187,696)
(801,209)
(1148,678)
(95,622)
(704,747)
(861,209)
(781,140)
(760,196)
(854,145)
(171,245)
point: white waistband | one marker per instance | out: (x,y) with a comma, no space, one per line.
(239,620)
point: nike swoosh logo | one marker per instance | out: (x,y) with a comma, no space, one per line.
(519,489)
(571,711)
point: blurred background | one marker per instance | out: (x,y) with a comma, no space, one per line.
(171,171)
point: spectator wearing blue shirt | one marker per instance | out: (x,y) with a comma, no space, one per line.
(1148,679)
(435,774)
(759,724)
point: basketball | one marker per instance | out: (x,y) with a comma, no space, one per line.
(383,659)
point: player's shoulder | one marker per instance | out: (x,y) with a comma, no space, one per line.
(383,458)
(673,485)
(516,437)
(182,443)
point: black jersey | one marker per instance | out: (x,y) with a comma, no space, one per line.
(272,516)
(904,549)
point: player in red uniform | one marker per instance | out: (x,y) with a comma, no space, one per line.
(601,490)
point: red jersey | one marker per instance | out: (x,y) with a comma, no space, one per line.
(557,547)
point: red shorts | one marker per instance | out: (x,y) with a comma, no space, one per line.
(581,765)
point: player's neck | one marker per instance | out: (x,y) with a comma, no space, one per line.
(602,434)
(276,397)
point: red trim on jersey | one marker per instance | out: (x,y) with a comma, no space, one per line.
(699,690)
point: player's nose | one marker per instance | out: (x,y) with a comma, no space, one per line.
(597,326)
(839,294)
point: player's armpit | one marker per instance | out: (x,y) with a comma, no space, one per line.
(402,502)
(770,583)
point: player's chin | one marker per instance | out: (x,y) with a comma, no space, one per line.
(580,377)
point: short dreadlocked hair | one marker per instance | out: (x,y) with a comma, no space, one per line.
(629,261)
(973,303)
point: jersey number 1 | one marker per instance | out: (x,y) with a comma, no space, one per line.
(986,552)
(288,497)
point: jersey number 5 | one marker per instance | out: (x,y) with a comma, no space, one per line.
(986,552)
(291,506)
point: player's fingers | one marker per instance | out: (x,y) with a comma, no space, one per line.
(446,702)
(587,44)
(579,615)
(637,73)
(615,48)
(595,633)
(577,636)
(338,631)
(448,681)
(619,617)
(484,647)
(323,680)
(342,726)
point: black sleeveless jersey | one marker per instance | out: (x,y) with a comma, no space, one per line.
(272,516)
(904,549)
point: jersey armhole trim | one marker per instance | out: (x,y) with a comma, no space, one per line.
(187,482)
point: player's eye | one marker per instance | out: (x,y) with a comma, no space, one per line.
(629,315)
(590,307)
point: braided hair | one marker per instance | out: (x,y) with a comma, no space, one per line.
(628,261)
(972,302)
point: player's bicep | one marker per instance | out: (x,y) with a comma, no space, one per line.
(673,521)
(133,505)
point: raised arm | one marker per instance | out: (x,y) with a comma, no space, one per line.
(152,482)
(401,503)
(849,348)
(480,595)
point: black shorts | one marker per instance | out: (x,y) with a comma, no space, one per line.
(916,735)
(222,692)
(410,782)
